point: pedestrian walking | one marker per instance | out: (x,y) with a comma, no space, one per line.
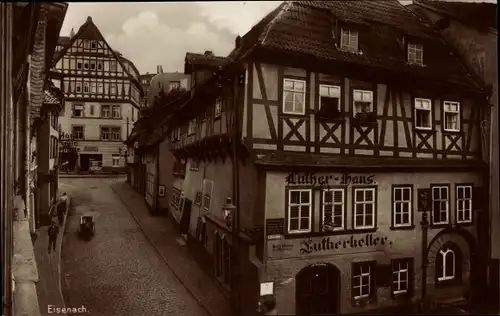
(61,208)
(53,231)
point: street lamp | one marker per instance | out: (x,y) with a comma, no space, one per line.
(228,211)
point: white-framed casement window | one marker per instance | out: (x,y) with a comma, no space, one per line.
(100,88)
(294,96)
(86,87)
(440,205)
(464,203)
(105,111)
(415,53)
(333,209)
(362,280)
(77,132)
(451,112)
(401,203)
(329,98)
(299,210)
(423,115)
(446,264)
(192,127)
(116,160)
(113,88)
(78,87)
(208,187)
(93,87)
(218,108)
(401,271)
(78,110)
(363,101)
(116,111)
(364,208)
(349,40)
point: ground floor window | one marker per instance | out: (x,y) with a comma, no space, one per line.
(363,280)
(448,263)
(116,160)
(401,276)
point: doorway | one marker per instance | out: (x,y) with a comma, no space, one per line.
(86,159)
(317,290)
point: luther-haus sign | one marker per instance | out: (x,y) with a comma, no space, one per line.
(328,245)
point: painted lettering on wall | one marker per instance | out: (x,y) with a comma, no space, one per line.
(310,178)
(308,246)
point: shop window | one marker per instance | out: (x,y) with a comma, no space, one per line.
(299,211)
(448,264)
(333,209)
(402,271)
(363,284)
(440,205)
(364,208)
(402,206)
(464,204)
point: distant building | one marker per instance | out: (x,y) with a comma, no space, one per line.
(153,84)
(103,97)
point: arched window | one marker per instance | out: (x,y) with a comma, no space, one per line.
(448,264)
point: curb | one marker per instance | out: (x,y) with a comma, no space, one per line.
(80,176)
(59,248)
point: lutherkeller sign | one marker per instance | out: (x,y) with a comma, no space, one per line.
(313,179)
(328,245)
(91,148)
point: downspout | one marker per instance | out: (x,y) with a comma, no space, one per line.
(27,157)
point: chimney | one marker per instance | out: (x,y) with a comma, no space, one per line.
(209,53)
(237,42)
(71,33)
(161,69)
(89,19)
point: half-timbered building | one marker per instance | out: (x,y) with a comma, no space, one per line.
(103,97)
(357,147)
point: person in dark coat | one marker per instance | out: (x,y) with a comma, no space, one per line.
(61,208)
(53,231)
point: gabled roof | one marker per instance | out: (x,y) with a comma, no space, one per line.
(305,28)
(480,15)
(207,60)
(90,31)
(64,40)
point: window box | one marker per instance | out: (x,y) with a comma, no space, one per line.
(365,119)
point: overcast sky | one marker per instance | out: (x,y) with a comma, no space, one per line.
(151,34)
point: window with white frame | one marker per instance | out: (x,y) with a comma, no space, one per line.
(93,87)
(447,263)
(451,116)
(401,276)
(78,110)
(92,65)
(415,54)
(423,115)
(86,87)
(329,99)
(78,87)
(440,205)
(464,203)
(77,132)
(299,210)
(192,127)
(218,108)
(363,101)
(116,111)
(116,160)
(113,65)
(333,209)
(364,208)
(105,111)
(100,88)
(349,40)
(402,211)
(294,96)
(362,280)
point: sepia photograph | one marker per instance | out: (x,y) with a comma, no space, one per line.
(249,158)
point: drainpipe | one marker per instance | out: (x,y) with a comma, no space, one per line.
(425,228)
(27,159)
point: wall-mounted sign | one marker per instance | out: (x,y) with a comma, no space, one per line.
(289,248)
(275,226)
(310,178)
(161,191)
(266,288)
(91,148)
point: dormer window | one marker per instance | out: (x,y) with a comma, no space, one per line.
(415,54)
(349,40)
(363,101)
(329,100)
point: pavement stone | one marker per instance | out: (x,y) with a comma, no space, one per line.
(118,272)
(163,235)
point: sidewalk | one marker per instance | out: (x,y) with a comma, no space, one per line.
(95,175)
(162,234)
(49,269)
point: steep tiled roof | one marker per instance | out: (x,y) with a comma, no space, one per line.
(305,28)
(208,59)
(479,15)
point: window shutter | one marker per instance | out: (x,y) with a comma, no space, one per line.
(480,198)
(383,275)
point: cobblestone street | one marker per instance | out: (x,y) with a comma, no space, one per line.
(118,272)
